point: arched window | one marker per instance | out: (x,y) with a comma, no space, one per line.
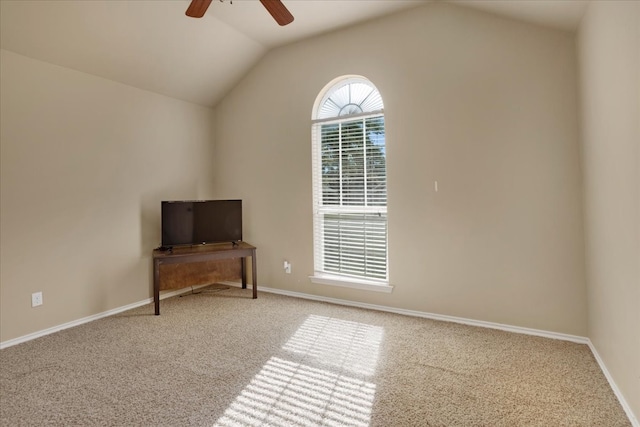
(350,185)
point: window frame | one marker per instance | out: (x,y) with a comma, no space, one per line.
(320,209)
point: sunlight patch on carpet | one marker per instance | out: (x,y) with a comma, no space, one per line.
(284,393)
(332,392)
(341,343)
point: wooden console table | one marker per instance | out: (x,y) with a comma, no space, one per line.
(202,253)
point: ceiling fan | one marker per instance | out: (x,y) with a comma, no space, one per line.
(280,13)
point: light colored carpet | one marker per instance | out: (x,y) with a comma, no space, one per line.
(222,359)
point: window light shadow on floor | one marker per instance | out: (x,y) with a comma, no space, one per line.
(320,379)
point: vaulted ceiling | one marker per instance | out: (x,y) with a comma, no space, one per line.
(152,45)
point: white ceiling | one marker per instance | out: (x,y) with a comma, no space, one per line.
(152,45)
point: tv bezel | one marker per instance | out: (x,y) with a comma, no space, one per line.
(197,243)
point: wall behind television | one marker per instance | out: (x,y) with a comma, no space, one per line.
(85,163)
(485,105)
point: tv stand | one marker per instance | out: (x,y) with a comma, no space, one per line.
(201,253)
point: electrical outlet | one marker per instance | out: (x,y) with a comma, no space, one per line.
(36,299)
(287,267)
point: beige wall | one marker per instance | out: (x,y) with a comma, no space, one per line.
(609,52)
(85,163)
(487,106)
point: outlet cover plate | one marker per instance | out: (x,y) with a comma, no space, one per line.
(36,299)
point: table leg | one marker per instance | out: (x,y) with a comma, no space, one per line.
(243,269)
(156,286)
(254,275)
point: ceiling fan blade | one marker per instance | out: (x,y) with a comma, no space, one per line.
(197,8)
(279,12)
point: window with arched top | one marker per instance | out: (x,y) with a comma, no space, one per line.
(350,185)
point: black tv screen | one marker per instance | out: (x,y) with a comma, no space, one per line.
(198,222)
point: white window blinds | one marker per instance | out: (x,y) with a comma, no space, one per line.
(350,184)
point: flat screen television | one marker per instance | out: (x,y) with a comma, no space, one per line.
(196,222)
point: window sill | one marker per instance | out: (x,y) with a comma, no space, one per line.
(364,285)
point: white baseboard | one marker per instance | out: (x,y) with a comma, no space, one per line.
(614,387)
(38,334)
(426,315)
(414,313)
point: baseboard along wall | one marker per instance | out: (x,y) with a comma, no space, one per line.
(42,333)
